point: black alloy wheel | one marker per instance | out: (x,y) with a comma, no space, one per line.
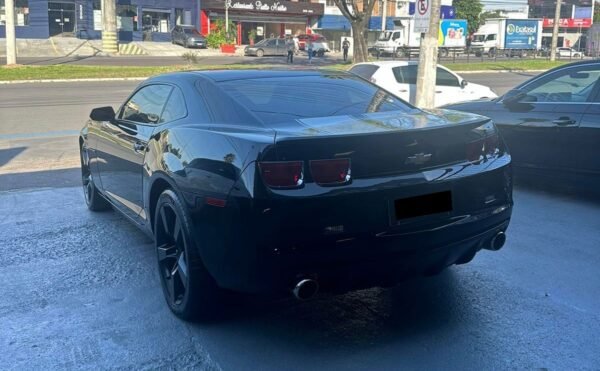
(93,199)
(189,290)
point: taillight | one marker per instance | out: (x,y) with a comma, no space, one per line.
(331,172)
(282,174)
(485,146)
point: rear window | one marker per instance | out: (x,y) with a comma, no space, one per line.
(280,99)
(366,71)
(406,74)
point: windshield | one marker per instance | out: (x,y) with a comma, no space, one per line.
(479,38)
(261,42)
(384,36)
(190,31)
(322,95)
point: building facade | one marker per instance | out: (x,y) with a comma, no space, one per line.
(136,19)
(576,18)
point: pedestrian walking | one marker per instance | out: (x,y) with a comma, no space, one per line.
(345,47)
(289,45)
(309,49)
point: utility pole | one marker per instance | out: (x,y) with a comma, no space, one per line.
(11,40)
(383,14)
(227,17)
(109,27)
(428,55)
(555,31)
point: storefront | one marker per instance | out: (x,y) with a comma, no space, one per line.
(267,18)
(136,19)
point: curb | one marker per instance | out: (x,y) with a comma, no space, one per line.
(74,80)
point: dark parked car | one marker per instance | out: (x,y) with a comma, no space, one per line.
(273,46)
(551,123)
(188,37)
(244,189)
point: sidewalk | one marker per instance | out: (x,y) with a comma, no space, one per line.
(69,46)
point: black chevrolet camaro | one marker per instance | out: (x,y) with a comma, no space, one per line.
(278,181)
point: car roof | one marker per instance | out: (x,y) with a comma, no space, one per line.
(230,75)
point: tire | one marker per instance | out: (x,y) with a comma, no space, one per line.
(443,53)
(399,53)
(492,53)
(93,199)
(189,290)
(321,53)
(260,53)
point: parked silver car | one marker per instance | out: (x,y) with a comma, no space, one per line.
(188,37)
(273,46)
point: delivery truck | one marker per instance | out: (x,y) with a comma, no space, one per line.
(511,37)
(404,41)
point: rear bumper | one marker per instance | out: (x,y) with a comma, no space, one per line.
(348,239)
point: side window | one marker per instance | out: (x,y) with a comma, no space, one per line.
(146,105)
(175,107)
(491,37)
(272,42)
(445,78)
(567,86)
(396,36)
(406,74)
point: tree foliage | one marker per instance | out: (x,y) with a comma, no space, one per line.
(218,36)
(358,13)
(471,11)
(597,12)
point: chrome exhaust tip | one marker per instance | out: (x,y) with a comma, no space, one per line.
(497,241)
(305,289)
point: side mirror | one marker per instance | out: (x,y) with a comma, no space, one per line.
(103,114)
(463,84)
(513,96)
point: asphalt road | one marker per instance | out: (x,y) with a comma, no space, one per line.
(80,289)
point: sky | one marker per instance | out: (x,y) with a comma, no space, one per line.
(503,4)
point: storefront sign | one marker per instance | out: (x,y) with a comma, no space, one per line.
(521,34)
(271,6)
(569,22)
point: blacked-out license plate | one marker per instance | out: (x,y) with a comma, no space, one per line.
(433,203)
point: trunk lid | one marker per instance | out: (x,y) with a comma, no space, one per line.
(379,144)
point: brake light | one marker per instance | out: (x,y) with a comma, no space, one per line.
(480,149)
(486,145)
(282,174)
(331,172)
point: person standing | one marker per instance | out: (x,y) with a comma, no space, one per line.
(309,49)
(289,45)
(296,44)
(345,47)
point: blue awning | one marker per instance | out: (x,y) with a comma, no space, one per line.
(447,11)
(333,22)
(339,22)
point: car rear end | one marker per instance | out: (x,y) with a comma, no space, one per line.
(354,201)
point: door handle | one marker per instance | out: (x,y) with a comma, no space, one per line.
(564,121)
(438,92)
(139,147)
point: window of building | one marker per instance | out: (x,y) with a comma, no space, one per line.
(156,20)
(127,18)
(21,13)
(97,14)
(330,3)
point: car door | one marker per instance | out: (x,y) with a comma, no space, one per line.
(588,154)
(543,129)
(406,82)
(121,149)
(447,88)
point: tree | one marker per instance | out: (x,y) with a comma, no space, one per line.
(471,11)
(597,12)
(358,13)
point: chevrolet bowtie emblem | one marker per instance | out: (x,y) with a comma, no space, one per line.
(418,159)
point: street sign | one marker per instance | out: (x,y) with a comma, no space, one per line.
(422,15)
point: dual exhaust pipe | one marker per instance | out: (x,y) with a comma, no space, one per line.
(305,289)
(497,242)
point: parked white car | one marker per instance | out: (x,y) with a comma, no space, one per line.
(400,77)
(568,53)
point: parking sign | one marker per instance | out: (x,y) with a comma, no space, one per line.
(422,15)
